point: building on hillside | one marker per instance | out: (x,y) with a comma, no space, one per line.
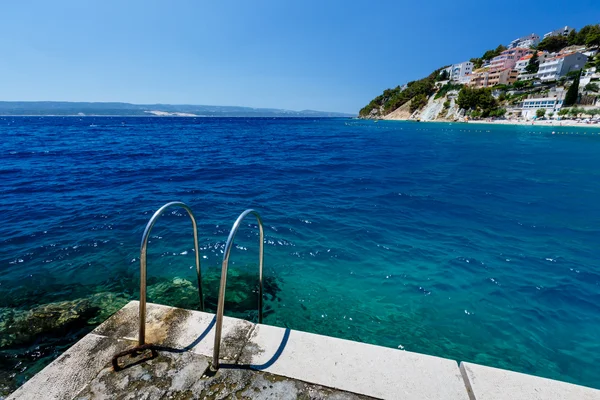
(479,79)
(465,80)
(508,58)
(526,42)
(559,32)
(489,78)
(551,102)
(560,65)
(460,71)
(523,62)
(588,75)
(502,77)
(526,76)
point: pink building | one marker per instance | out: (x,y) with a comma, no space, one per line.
(508,58)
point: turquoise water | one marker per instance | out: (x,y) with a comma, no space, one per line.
(472,242)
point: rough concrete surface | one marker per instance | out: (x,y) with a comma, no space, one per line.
(66,375)
(265,362)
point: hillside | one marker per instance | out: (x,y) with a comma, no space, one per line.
(492,87)
(59,108)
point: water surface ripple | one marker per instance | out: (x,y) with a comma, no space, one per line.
(472,242)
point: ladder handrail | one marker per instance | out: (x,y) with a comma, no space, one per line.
(221,301)
(143,248)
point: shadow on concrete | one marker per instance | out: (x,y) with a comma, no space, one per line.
(191,345)
(271,361)
(136,352)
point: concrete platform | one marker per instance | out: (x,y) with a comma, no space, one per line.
(260,361)
(487,383)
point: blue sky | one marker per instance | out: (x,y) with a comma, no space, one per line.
(326,55)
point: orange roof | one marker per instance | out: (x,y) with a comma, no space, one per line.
(528,56)
(563,55)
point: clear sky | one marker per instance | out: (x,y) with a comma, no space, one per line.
(331,55)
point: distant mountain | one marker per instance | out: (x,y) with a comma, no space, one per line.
(126,109)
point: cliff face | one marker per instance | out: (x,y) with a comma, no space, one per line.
(401,113)
(434,110)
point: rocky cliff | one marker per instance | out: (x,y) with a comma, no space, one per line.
(441,109)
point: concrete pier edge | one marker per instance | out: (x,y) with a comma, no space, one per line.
(290,362)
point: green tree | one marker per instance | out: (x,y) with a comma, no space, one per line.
(593,39)
(498,113)
(519,84)
(534,64)
(443,76)
(540,113)
(480,100)
(572,38)
(575,111)
(477,62)
(467,99)
(586,32)
(553,43)
(446,88)
(488,55)
(391,99)
(592,87)
(417,102)
(573,92)
(573,74)
(563,112)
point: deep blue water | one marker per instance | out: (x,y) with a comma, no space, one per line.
(472,242)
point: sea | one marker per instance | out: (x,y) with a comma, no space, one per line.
(473,242)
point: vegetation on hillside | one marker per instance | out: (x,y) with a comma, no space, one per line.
(573,92)
(488,55)
(447,88)
(391,99)
(553,43)
(444,76)
(589,36)
(480,102)
(534,64)
(417,102)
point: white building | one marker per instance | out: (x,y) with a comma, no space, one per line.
(555,67)
(552,103)
(523,62)
(460,71)
(559,32)
(465,79)
(525,41)
(588,75)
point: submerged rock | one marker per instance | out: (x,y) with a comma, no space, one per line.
(241,297)
(57,318)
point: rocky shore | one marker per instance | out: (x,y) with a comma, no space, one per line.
(32,338)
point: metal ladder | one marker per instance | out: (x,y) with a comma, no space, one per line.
(221,303)
(143,247)
(223,284)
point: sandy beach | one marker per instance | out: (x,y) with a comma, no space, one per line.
(570,123)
